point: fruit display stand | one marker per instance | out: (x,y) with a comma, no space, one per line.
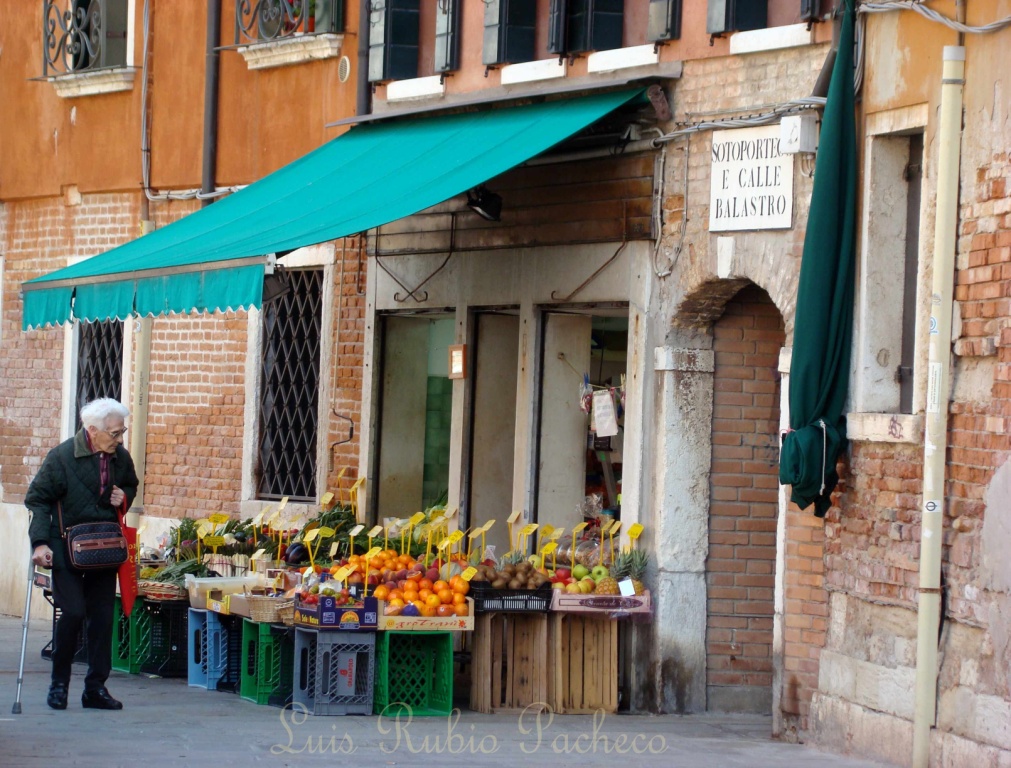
(334,671)
(414,673)
(429,623)
(582,663)
(509,662)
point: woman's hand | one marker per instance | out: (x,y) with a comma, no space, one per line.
(117,496)
(43,556)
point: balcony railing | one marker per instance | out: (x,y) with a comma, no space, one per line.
(83,35)
(259,21)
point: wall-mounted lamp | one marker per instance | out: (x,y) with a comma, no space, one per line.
(485,204)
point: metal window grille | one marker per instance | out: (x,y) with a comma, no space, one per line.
(99,363)
(290,374)
(258,21)
(83,35)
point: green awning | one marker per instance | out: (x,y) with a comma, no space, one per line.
(376,173)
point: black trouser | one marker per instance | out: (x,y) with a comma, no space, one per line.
(84,596)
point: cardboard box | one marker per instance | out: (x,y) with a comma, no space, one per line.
(615,606)
(199,588)
(361,616)
(452,623)
(230,605)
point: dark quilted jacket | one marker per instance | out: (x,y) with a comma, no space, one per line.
(70,474)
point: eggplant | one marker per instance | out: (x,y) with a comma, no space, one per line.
(296,553)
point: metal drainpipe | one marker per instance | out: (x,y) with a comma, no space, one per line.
(211,71)
(363,100)
(935,436)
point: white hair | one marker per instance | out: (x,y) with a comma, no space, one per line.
(95,413)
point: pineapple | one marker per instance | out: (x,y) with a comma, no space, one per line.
(637,564)
(619,570)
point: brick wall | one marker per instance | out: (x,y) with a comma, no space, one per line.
(742,522)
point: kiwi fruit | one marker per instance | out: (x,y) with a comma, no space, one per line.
(499,583)
(516,584)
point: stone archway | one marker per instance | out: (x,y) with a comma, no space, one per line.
(744,504)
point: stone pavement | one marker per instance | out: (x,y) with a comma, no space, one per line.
(166,723)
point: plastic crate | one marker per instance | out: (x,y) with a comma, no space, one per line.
(334,671)
(487,599)
(166,652)
(248,654)
(275,665)
(224,646)
(121,636)
(81,654)
(196,648)
(414,673)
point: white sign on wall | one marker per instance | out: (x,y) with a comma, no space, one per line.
(751,182)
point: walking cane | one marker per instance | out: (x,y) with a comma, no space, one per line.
(16,710)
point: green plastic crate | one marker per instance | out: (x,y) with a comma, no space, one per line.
(275,665)
(414,672)
(251,634)
(124,628)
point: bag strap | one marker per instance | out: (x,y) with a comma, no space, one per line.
(59,512)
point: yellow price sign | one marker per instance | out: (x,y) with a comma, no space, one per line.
(219,518)
(416,518)
(455,536)
(333,549)
(214,541)
(527,529)
(356,530)
(547,529)
(326,499)
(257,555)
(614,528)
(272,520)
(475,533)
(258,519)
(444,543)
(635,531)
(514,516)
(282,504)
(203,530)
(325,532)
(556,534)
(550,547)
(437,514)
(375,531)
(310,536)
(578,528)
(373,552)
(487,526)
(343,573)
(469,573)
(452,513)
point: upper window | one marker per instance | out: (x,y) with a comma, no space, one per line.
(577,26)
(83,35)
(99,363)
(736,15)
(289,400)
(266,20)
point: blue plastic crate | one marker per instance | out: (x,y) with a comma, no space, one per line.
(224,647)
(196,648)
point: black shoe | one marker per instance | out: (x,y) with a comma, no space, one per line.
(57,698)
(99,699)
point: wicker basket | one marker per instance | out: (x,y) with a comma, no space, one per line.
(271,610)
(159,590)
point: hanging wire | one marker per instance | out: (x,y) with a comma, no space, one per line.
(884,6)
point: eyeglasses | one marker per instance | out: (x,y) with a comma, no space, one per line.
(117,434)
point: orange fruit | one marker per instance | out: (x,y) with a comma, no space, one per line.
(397,602)
(381,592)
(461,587)
(439,586)
(424,593)
(411,596)
(396,594)
(419,605)
(445,610)
(433,601)
(445,595)
(425,584)
(428,611)
(459,599)
(463,609)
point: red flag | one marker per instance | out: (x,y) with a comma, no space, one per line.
(128,570)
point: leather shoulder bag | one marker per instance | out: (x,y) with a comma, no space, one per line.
(93,546)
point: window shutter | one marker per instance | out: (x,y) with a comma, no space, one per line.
(115,33)
(664,20)
(736,15)
(595,25)
(393,40)
(447,35)
(509,29)
(810,10)
(557,21)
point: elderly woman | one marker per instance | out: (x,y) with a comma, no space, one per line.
(88,477)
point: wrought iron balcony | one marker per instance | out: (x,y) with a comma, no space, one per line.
(260,21)
(83,35)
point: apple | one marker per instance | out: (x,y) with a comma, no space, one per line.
(573,589)
(563,573)
(557,585)
(599,572)
(535,561)
(580,571)
(587,585)
(373,580)
(570,580)
(432,574)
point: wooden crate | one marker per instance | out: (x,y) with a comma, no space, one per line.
(582,664)
(509,662)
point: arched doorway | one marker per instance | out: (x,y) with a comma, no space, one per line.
(741,562)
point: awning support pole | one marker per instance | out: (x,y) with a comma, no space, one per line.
(935,440)
(139,391)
